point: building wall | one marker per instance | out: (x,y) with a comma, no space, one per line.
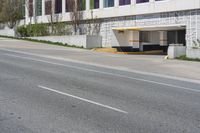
(189,18)
(152,13)
(118,10)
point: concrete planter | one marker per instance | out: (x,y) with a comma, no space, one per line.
(86,41)
(193,53)
(176,50)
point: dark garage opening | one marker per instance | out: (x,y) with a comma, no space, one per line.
(176,37)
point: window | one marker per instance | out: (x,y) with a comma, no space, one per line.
(22,6)
(58,6)
(66,6)
(48,7)
(30,8)
(108,3)
(124,2)
(94,4)
(82,4)
(141,1)
(38,7)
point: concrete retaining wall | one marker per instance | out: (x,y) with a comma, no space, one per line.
(176,50)
(86,41)
(193,53)
(7,32)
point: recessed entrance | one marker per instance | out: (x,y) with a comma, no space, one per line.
(131,39)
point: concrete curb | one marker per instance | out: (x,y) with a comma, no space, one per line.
(114,51)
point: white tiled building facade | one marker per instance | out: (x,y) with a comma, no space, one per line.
(132,22)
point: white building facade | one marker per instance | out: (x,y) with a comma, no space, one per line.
(134,23)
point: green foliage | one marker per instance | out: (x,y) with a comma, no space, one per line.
(37,30)
(1,14)
(33,30)
(43,30)
(60,29)
(11,12)
(22,30)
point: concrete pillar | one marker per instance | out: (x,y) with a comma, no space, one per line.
(151,1)
(34,11)
(63,6)
(53,6)
(43,7)
(101,4)
(87,4)
(26,12)
(152,5)
(133,2)
(163,38)
(134,39)
(116,4)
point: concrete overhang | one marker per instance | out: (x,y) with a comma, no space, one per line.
(152,28)
(127,28)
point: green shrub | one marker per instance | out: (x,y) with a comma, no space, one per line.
(37,30)
(22,30)
(33,30)
(59,29)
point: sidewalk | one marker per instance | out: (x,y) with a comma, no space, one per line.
(146,64)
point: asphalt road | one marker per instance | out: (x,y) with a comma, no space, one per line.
(43,95)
